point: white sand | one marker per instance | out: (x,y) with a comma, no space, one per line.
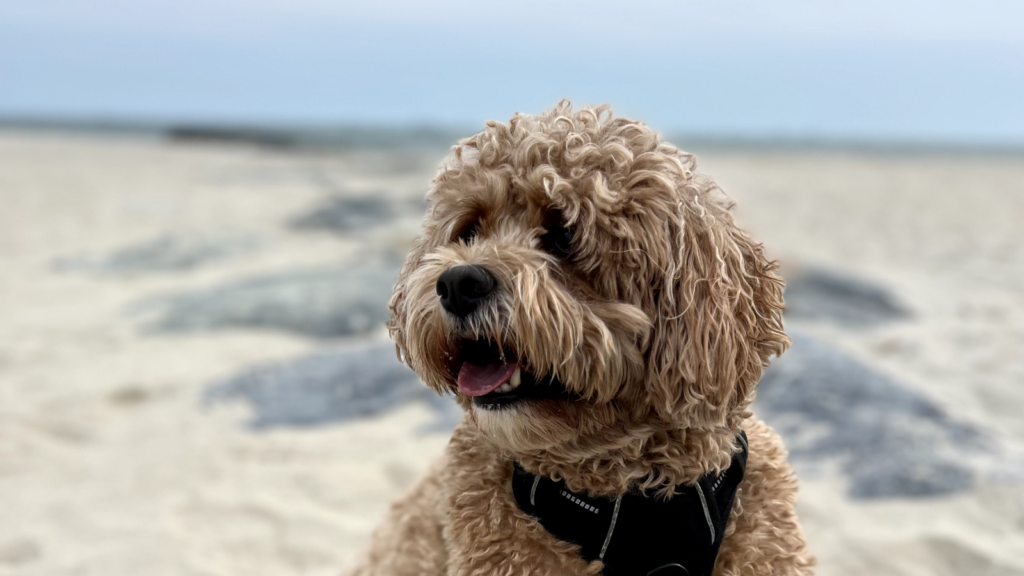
(110,463)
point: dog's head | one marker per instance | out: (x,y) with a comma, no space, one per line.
(574,276)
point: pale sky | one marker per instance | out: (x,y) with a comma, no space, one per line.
(941,70)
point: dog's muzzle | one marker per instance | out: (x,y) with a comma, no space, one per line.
(463,288)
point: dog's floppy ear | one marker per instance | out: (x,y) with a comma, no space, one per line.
(719,315)
(399,302)
(410,306)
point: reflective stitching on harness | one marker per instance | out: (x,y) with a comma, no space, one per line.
(533,491)
(707,514)
(579,502)
(611,528)
(718,482)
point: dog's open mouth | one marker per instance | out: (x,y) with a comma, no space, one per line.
(496,379)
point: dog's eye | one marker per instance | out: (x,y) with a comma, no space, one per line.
(557,241)
(468,232)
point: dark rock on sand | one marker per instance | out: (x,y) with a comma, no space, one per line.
(817,294)
(329,387)
(164,254)
(348,213)
(889,440)
(320,303)
(344,214)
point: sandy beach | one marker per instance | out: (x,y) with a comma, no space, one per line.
(195,377)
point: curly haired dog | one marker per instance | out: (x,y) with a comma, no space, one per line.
(590,302)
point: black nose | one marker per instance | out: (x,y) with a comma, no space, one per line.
(463,288)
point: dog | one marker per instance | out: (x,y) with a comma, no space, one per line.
(588,299)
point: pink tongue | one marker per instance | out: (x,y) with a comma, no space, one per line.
(477,380)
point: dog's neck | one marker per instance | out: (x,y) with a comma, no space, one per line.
(641,456)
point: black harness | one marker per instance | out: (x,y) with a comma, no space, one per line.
(637,535)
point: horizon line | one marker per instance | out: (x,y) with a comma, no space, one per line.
(425,134)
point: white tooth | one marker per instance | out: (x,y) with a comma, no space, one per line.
(515,379)
(504,388)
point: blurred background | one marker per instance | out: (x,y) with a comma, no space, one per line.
(203,207)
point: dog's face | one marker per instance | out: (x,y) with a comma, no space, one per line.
(574,278)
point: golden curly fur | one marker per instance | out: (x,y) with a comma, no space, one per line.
(658,324)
